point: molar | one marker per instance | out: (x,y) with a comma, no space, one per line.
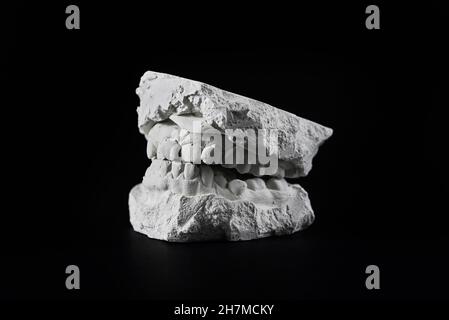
(277,184)
(293,173)
(237,186)
(255,184)
(280,173)
(225,193)
(220,180)
(243,168)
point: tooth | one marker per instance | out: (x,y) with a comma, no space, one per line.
(176,168)
(174,153)
(189,154)
(186,140)
(269,171)
(190,171)
(206,154)
(280,173)
(182,134)
(277,184)
(207,176)
(156,172)
(237,186)
(293,173)
(164,167)
(255,184)
(243,168)
(220,180)
(159,167)
(175,134)
(151,150)
(257,170)
(186,151)
(163,150)
(225,193)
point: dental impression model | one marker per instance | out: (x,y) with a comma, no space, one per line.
(218,164)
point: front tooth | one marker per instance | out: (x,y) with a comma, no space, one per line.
(175,135)
(182,134)
(186,140)
(174,153)
(190,171)
(220,180)
(255,184)
(206,154)
(186,151)
(237,186)
(243,168)
(151,150)
(176,168)
(189,154)
(207,176)
(277,184)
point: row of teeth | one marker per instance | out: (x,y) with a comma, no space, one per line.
(191,179)
(179,148)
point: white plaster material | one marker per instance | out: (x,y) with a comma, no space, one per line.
(186,196)
(163,96)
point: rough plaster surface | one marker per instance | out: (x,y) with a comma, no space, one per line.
(162,95)
(180,200)
(166,215)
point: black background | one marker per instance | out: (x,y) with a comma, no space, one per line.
(73,151)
